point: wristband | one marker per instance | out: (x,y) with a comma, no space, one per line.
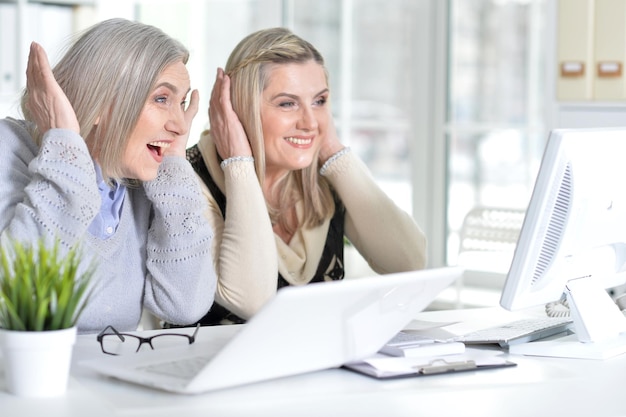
(227,161)
(332,159)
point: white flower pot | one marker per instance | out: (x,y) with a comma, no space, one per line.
(37,364)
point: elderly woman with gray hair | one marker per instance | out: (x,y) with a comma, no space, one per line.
(99,161)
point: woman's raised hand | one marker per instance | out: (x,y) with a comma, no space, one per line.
(226,128)
(47,104)
(330,141)
(179,146)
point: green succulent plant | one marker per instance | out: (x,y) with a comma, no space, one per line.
(40,289)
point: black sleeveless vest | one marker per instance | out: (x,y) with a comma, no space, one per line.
(329,268)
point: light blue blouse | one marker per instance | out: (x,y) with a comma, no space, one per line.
(105,223)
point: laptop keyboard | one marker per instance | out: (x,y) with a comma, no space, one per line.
(519,331)
(185,368)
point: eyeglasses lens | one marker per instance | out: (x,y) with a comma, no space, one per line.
(113,344)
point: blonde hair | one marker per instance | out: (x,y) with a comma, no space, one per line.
(107,75)
(248,67)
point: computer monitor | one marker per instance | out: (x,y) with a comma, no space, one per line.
(573,242)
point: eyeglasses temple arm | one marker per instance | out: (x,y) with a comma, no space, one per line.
(104,332)
(193,336)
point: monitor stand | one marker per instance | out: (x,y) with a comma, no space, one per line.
(599,326)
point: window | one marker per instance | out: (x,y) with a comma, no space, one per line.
(496,119)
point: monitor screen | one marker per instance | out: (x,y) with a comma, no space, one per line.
(573,240)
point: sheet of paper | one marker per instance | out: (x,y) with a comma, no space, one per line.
(432,330)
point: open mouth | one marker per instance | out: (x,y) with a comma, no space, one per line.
(158,147)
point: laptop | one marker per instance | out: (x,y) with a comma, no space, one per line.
(301,329)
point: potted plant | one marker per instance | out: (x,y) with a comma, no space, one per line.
(42,293)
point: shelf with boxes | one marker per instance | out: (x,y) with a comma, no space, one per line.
(591,50)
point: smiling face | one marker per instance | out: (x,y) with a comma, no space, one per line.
(160,123)
(294,113)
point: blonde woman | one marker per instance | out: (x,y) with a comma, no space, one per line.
(282,188)
(99,161)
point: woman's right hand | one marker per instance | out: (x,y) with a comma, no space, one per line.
(47,104)
(226,128)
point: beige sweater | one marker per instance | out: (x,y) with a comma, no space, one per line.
(248,255)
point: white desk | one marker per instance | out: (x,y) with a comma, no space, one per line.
(536,387)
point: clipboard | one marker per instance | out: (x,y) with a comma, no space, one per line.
(433,366)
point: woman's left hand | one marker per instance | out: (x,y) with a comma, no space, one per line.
(179,146)
(330,143)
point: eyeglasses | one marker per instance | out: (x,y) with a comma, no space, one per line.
(113,342)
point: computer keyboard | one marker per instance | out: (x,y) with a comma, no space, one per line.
(185,368)
(519,331)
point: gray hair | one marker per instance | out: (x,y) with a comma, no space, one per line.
(107,75)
